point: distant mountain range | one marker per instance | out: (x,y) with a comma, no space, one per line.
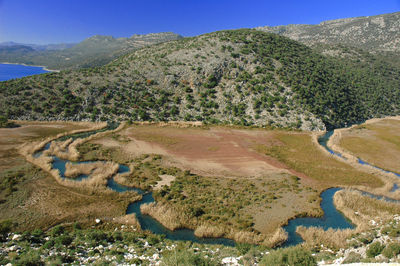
(373,33)
(39,47)
(94,51)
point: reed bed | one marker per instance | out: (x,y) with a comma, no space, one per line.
(362,209)
(332,238)
(209,231)
(173,219)
(99,173)
(129,219)
(166,215)
(278,238)
(74,170)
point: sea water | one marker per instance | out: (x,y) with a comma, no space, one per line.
(11,71)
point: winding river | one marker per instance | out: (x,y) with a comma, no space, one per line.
(332,218)
(323,140)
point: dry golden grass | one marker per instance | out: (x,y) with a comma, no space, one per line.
(166,215)
(278,238)
(74,170)
(174,219)
(361,209)
(209,231)
(300,152)
(377,143)
(332,238)
(129,219)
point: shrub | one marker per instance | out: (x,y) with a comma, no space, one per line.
(185,257)
(30,258)
(243,248)
(352,258)
(374,249)
(289,256)
(56,231)
(391,250)
(64,240)
(5,227)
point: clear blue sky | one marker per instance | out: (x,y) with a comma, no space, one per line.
(55,21)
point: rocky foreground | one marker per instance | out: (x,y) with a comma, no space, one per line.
(123,245)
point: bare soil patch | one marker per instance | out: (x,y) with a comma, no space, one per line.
(165,181)
(215,151)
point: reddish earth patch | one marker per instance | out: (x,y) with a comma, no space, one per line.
(212,151)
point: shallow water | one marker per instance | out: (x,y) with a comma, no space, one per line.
(323,140)
(332,218)
(148,223)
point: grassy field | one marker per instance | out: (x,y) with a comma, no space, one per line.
(376,143)
(298,152)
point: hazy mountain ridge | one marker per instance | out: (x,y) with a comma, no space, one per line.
(372,33)
(94,51)
(244,77)
(39,47)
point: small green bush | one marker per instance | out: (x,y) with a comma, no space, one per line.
(391,250)
(374,249)
(243,248)
(65,240)
(352,258)
(5,227)
(57,230)
(185,257)
(30,258)
(289,256)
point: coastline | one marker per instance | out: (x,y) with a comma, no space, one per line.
(22,64)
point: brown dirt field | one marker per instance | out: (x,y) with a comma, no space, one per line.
(215,151)
(377,142)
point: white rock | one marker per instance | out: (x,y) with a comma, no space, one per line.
(16,237)
(231,261)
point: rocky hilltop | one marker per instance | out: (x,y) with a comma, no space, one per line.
(372,33)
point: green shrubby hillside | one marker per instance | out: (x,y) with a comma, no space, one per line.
(244,77)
